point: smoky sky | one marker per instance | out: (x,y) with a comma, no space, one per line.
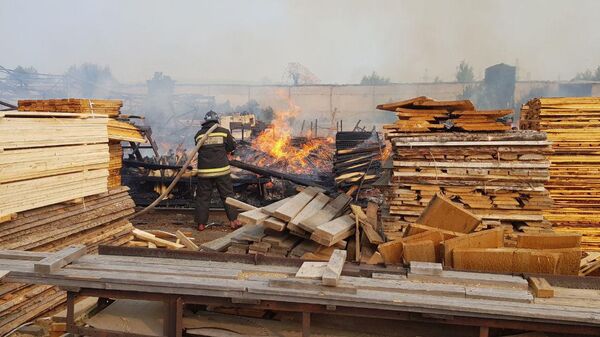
(338,40)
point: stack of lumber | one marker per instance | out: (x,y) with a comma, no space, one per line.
(123,131)
(91,221)
(445,233)
(573,126)
(307,225)
(50,159)
(115,164)
(117,130)
(109,108)
(426,289)
(357,158)
(422,114)
(498,176)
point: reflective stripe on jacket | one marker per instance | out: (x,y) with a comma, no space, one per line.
(212,156)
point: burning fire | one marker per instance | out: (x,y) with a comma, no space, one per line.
(276,142)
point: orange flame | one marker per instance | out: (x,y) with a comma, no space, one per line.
(276,141)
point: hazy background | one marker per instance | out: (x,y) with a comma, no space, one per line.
(338,40)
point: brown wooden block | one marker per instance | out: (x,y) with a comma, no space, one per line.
(549,240)
(391,252)
(493,238)
(443,213)
(421,251)
(540,287)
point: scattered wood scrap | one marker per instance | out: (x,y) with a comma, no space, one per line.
(145,236)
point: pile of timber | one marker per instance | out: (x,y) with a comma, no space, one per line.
(47,158)
(498,176)
(91,221)
(446,233)
(109,108)
(309,225)
(117,130)
(115,164)
(424,289)
(357,158)
(422,114)
(573,126)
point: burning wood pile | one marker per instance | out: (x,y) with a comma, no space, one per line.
(499,176)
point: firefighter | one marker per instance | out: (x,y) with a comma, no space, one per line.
(213,170)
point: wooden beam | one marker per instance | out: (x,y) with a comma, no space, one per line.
(239,204)
(59,259)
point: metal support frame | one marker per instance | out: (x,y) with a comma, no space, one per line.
(173,314)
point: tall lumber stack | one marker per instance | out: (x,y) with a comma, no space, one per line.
(118,130)
(47,158)
(95,220)
(495,173)
(573,126)
(54,193)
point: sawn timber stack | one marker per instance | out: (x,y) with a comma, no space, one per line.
(93,221)
(573,126)
(50,159)
(497,175)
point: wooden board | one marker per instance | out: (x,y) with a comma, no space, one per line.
(293,206)
(493,238)
(443,213)
(60,259)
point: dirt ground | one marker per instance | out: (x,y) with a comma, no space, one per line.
(172,220)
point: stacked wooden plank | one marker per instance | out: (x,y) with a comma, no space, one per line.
(50,159)
(445,233)
(424,290)
(573,126)
(123,131)
(92,221)
(498,176)
(115,164)
(309,225)
(357,158)
(422,114)
(109,108)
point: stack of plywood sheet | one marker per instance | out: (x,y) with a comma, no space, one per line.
(94,220)
(573,126)
(498,176)
(422,114)
(50,159)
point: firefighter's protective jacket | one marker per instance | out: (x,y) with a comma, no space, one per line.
(212,156)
